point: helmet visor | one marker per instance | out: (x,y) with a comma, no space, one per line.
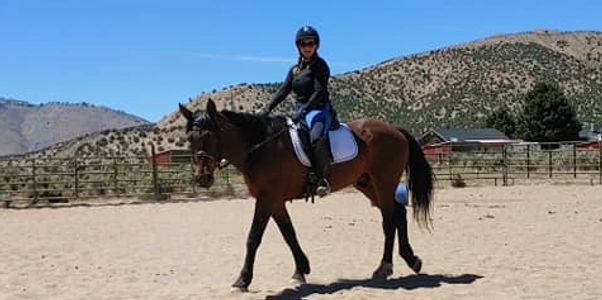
(307,42)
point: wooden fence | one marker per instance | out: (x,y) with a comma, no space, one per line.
(55,180)
(514,163)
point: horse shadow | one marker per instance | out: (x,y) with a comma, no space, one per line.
(410,282)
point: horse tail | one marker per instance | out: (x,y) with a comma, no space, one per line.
(420,181)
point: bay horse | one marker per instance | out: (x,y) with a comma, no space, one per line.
(260,148)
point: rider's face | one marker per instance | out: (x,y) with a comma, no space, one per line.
(307,47)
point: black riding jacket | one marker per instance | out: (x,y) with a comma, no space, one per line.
(309,82)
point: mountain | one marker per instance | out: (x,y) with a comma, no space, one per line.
(453,86)
(25,127)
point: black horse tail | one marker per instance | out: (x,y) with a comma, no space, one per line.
(420,181)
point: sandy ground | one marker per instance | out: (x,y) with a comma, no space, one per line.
(521,242)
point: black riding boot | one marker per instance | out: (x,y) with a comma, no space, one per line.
(322,159)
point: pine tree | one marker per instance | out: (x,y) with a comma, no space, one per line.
(502,120)
(548,116)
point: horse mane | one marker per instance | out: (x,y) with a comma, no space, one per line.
(253,128)
(201,119)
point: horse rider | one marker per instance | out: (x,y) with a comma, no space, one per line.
(308,79)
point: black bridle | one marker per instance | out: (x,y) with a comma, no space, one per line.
(218,159)
(206,157)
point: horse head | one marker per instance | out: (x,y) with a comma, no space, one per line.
(203,130)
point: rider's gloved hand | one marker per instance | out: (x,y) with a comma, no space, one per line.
(297,117)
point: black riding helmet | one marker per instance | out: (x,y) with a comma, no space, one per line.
(307,32)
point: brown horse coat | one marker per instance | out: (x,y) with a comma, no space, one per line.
(274,175)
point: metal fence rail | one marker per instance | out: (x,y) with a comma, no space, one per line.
(56,180)
(509,165)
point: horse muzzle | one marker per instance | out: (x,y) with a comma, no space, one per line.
(205,180)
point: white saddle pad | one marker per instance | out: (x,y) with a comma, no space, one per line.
(342,145)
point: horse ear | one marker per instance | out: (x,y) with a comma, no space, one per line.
(211,109)
(185,112)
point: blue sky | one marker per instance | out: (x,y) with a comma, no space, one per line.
(143,57)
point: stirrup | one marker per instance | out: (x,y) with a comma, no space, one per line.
(323,188)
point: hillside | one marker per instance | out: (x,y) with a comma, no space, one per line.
(27,127)
(460,85)
(454,86)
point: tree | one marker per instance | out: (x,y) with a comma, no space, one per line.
(502,120)
(548,116)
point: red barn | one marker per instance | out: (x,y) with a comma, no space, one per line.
(435,152)
(168,157)
(591,145)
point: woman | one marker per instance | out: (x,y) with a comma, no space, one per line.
(308,79)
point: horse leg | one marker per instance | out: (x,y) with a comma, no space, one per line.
(385,269)
(405,250)
(285,225)
(260,220)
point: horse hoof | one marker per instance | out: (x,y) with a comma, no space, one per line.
(239,289)
(384,270)
(240,286)
(417,265)
(298,279)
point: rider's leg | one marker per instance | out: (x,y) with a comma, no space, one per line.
(316,131)
(321,152)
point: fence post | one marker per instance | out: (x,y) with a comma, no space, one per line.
(76,179)
(574,161)
(7,195)
(193,177)
(34,181)
(451,169)
(528,161)
(550,163)
(115,174)
(505,167)
(155,175)
(600,159)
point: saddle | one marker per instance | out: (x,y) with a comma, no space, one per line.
(343,147)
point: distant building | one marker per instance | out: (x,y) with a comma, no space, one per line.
(590,132)
(168,157)
(442,141)
(589,145)
(436,152)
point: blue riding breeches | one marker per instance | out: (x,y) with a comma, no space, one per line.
(319,121)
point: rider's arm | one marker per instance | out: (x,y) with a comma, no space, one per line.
(283,91)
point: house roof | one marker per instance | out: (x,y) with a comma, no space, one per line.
(589,135)
(470,134)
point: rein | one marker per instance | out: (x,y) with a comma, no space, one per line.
(224,163)
(268,139)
